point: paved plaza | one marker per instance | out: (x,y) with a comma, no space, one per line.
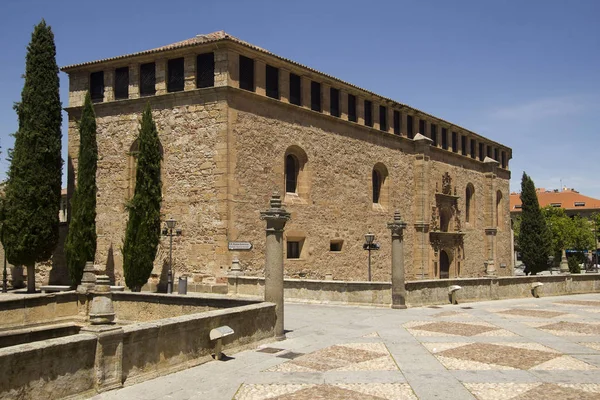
(546,348)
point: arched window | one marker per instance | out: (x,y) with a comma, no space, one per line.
(499,220)
(469,206)
(376,179)
(291,173)
(134,151)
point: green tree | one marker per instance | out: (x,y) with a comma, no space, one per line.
(562,231)
(583,237)
(80,246)
(32,202)
(143,227)
(534,237)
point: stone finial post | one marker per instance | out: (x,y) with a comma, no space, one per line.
(276,218)
(398,289)
(101,309)
(564,265)
(88,280)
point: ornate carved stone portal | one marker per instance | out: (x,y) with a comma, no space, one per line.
(446,236)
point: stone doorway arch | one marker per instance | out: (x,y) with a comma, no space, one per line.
(444,265)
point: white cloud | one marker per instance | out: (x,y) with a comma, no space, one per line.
(545,108)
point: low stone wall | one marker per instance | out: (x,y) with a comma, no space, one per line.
(157,348)
(40,309)
(418,293)
(51,369)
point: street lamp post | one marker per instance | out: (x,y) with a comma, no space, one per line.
(370,245)
(168,231)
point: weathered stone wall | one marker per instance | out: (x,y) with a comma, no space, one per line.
(38,309)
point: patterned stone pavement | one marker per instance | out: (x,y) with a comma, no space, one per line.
(523,349)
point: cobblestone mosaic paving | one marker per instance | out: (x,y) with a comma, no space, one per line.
(564,328)
(452,328)
(534,391)
(592,303)
(346,357)
(340,391)
(522,312)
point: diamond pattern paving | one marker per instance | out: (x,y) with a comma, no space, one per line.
(553,391)
(581,302)
(578,327)
(534,391)
(507,356)
(456,328)
(338,391)
(532,313)
(326,392)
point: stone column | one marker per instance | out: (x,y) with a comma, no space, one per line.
(161,76)
(284,85)
(403,123)
(490,217)
(422,205)
(343,105)
(398,289)
(260,82)
(305,96)
(564,265)
(189,66)
(109,81)
(134,81)
(276,218)
(326,98)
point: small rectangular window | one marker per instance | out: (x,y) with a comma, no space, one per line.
(147,79)
(334,102)
(579,204)
(294,248)
(455,142)
(336,245)
(422,127)
(315,96)
(246,73)
(555,204)
(444,138)
(481,153)
(368,113)
(473,148)
(351,108)
(409,127)
(295,89)
(503,159)
(97,86)
(175,75)
(205,70)
(383,118)
(496,154)
(489,151)
(397,122)
(434,136)
(272,81)
(122,83)
(518,206)
(463,145)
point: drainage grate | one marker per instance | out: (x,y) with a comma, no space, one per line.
(269,350)
(290,355)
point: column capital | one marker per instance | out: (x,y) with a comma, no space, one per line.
(397,226)
(276,216)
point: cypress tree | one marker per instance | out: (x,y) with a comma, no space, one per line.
(80,246)
(534,238)
(32,202)
(143,227)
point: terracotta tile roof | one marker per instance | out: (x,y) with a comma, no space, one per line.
(223,36)
(567,198)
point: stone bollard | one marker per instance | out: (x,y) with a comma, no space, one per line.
(88,280)
(398,284)
(564,265)
(276,218)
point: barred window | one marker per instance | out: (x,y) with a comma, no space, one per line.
(368,113)
(205,70)
(434,135)
(409,127)
(315,96)
(295,89)
(122,83)
(397,121)
(383,118)
(351,108)
(444,138)
(334,102)
(175,75)
(97,86)
(246,73)
(272,81)
(147,79)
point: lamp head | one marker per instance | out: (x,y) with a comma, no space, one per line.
(171,223)
(369,238)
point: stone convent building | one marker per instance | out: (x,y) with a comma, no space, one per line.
(237,122)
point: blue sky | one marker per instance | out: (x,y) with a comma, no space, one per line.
(524,73)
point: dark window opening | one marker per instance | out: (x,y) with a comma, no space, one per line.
(336,245)
(455,142)
(473,149)
(122,83)
(481,154)
(489,151)
(496,155)
(176,78)
(463,145)
(503,160)
(434,136)
(293,249)
(315,96)
(351,108)
(368,113)
(409,127)
(246,73)
(295,89)
(444,138)
(272,81)
(376,178)
(383,118)
(422,127)
(97,86)
(397,122)
(147,79)
(291,173)
(205,70)
(334,102)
